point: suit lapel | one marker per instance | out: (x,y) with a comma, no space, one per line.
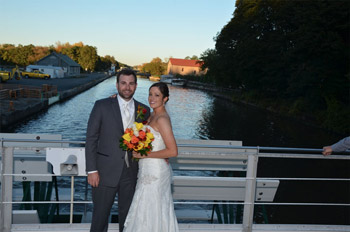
(117,113)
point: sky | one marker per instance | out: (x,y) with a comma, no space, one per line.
(133,31)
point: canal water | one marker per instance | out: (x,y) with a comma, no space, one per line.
(198,115)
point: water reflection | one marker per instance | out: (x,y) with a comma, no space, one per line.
(224,120)
(186,108)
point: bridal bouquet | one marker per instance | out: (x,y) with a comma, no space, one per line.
(137,138)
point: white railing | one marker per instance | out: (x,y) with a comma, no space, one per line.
(193,155)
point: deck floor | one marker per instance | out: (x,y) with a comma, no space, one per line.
(85,227)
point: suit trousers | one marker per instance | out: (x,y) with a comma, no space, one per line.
(103,198)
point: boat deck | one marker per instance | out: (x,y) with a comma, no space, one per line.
(247,191)
(184,228)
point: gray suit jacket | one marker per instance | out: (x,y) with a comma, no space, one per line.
(342,145)
(102,151)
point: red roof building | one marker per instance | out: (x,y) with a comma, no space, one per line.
(185,67)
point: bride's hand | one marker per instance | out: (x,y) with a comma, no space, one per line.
(137,155)
(113,96)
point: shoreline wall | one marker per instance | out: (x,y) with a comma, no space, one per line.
(25,108)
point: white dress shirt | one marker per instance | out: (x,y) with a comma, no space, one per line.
(130,105)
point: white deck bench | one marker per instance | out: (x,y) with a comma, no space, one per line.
(193,156)
(220,156)
(220,188)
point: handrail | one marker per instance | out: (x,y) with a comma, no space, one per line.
(263,152)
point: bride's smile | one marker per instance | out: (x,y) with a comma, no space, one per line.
(155,98)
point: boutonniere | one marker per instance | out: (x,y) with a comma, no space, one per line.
(141,111)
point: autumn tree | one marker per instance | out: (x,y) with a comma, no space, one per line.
(38,53)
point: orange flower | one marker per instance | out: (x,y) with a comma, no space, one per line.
(129,131)
(134,139)
(142,135)
(130,146)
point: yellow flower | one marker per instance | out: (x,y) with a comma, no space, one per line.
(127,137)
(138,125)
(139,147)
(148,140)
(150,136)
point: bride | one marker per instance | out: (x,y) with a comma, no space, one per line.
(152,207)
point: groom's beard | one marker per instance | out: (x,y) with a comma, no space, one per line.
(126,94)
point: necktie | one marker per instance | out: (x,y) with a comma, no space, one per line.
(127,115)
(126,123)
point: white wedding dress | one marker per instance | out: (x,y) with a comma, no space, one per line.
(152,208)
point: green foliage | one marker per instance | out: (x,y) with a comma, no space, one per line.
(85,55)
(105,63)
(16,55)
(194,57)
(336,115)
(298,107)
(156,67)
(296,51)
(72,52)
(88,57)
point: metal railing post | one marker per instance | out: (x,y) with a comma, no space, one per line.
(6,189)
(250,189)
(71,200)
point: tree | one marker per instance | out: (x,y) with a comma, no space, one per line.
(85,55)
(156,67)
(105,63)
(72,52)
(194,57)
(297,51)
(88,57)
(38,53)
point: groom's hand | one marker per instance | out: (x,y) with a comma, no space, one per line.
(94,179)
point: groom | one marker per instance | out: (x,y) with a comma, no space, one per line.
(110,169)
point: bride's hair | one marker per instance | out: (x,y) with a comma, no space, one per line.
(163,88)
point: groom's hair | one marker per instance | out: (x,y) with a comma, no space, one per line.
(127,72)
